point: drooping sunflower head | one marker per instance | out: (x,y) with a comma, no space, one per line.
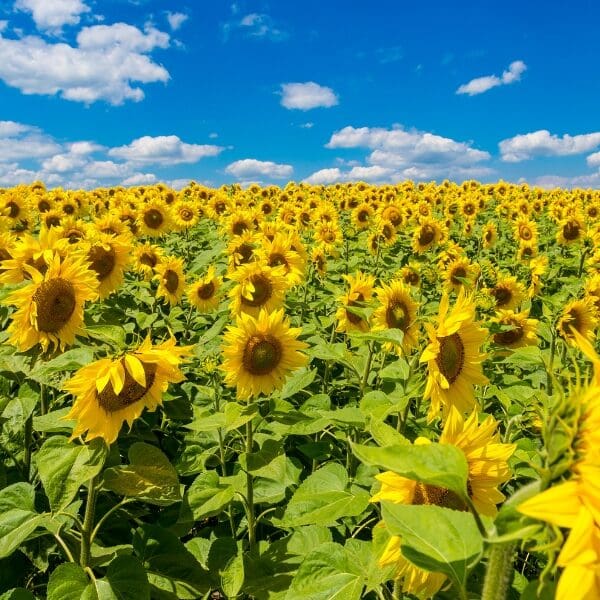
(397,311)
(259,353)
(258,287)
(109,392)
(50,307)
(460,273)
(571,229)
(108,257)
(362,216)
(171,280)
(580,315)
(508,293)
(518,329)
(410,275)
(428,233)
(354,301)
(204,293)
(146,258)
(318,258)
(489,235)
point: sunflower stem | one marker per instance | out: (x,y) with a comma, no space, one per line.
(499,571)
(365,377)
(28,442)
(478,520)
(88,523)
(43,400)
(250,491)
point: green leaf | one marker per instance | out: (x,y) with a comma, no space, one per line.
(207,497)
(323,498)
(237,414)
(17,594)
(384,434)
(112,334)
(397,371)
(385,336)
(300,380)
(435,538)
(149,476)
(232,576)
(442,465)
(327,573)
(67,582)
(127,579)
(64,466)
(54,422)
(71,360)
(16,526)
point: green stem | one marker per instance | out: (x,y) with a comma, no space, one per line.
(250,491)
(88,523)
(365,377)
(107,514)
(499,571)
(478,520)
(551,364)
(65,548)
(43,400)
(28,444)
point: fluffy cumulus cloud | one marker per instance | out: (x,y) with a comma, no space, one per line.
(543,143)
(397,154)
(483,84)
(593,160)
(164,150)
(108,63)
(176,19)
(305,96)
(249,168)
(52,15)
(27,154)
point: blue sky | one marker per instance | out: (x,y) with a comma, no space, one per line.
(108,92)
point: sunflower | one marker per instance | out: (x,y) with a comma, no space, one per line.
(591,287)
(50,307)
(538,267)
(239,223)
(278,253)
(185,214)
(487,461)
(397,311)
(410,275)
(489,235)
(7,242)
(15,207)
(460,273)
(328,234)
(362,216)
(171,279)
(360,292)
(146,259)
(204,294)
(108,256)
(580,315)
(571,229)
(453,357)
(258,287)
(154,218)
(508,293)
(241,250)
(318,257)
(73,230)
(519,330)
(260,353)
(109,392)
(428,234)
(526,231)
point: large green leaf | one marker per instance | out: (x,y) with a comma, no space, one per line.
(67,582)
(323,498)
(125,579)
(71,360)
(436,538)
(64,466)
(299,380)
(149,476)
(207,497)
(442,465)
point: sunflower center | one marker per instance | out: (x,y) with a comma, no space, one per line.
(438,496)
(571,231)
(525,233)
(262,354)
(239,227)
(74,235)
(458,274)
(277,260)
(55,303)
(489,236)
(52,221)
(132,391)
(511,336)
(396,315)
(220,207)
(149,259)
(574,320)
(426,235)
(186,214)
(245,251)
(451,357)
(363,216)
(350,315)
(329,237)
(68,209)
(469,209)
(43,206)
(153,218)
(102,261)
(263,290)
(503,296)
(171,281)
(39,264)
(13,209)
(206,290)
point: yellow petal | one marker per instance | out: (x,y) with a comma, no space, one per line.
(136,369)
(559,505)
(117,377)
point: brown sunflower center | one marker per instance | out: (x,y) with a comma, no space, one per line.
(132,391)
(171,281)
(412,278)
(277,260)
(511,336)
(502,294)
(186,214)
(52,221)
(571,230)
(153,218)
(451,357)
(574,320)
(43,206)
(426,235)
(13,209)
(263,290)
(438,496)
(458,274)
(149,259)
(329,237)
(102,260)
(239,227)
(262,354)
(55,303)
(351,315)
(68,209)
(525,232)
(206,290)
(363,216)
(245,252)
(469,209)
(220,207)
(396,315)
(489,236)
(39,264)
(73,235)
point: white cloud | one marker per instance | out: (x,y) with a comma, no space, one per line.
(178,184)
(325,176)
(250,167)
(543,143)
(176,20)
(304,96)
(19,141)
(140,179)
(593,160)
(483,84)
(52,15)
(3,25)
(163,150)
(308,125)
(105,65)
(63,163)
(261,25)
(83,148)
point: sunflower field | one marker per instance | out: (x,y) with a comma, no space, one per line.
(309,392)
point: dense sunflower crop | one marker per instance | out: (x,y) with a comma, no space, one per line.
(313,392)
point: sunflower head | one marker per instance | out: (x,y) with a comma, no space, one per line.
(171,280)
(518,329)
(204,294)
(581,316)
